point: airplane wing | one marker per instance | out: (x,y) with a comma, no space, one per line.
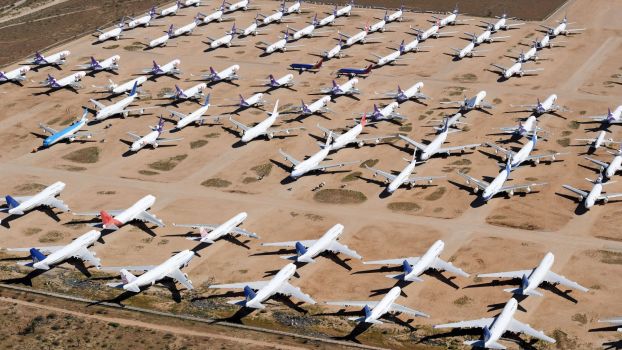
(86,255)
(405,310)
(519,327)
(337,247)
(178,114)
(514,25)
(134,136)
(238,124)
(253,285)
(289,158)
(44,250)
(575,190)
(306,243)
(141,109)
(289,290)
(412,261)
(83,134)
(284,131)
(547,27)
(520,187)
(142,268)
(165,140)
(325,166)
(327,131)
(609,196)
(412,142)
(445,33)
(480,323)
(98,104)
(457,148)
(543,156)
(376,139)
(480,183)
(508,274)
(243,232)
(414,179)
(181,278)
(56,203)
(572,31)
(47,129)
(195,226)
(499,37)
(500,149)
(370,304)
(552,277)
(598,162)
(498,66)
(441,264)
(384,174)
(529,71)
(148,217)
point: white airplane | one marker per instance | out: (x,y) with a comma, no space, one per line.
(528,127)
(373,310)
(616,321)
(259,291)
(118,89)
(171,68)
(599,141)
(114,219)
(306,31)
(294,8)
(404,177)
(309,249)
(114,33)
(256,100)
(251,29)
(71,82)
(335,51)
(55,60)
(495,327)
(390,58)
(476,102)
(210,233)
(531,54)
(546,42)
(485,37)
(319,107)
(501,23)
(451,19)
(195,117)
(452,122)
(413,92)
(431,32)
(144,21)
(170,268)
(532,278)
(435,146)
(47,197)
(395,16)
(78,248)
(352,136)
(263,128)
(16,75)
(413,46)
(171,10)
(161,40)
(109,64)
(69,133)
(194,93)
(186,29)
(314,162)
(611,168)
(188,3)
(414,267)
(347,88)
(596,194)
(119,107)
(546,106)
(240,5)
(225,40)
(386,113)
(274,17)
(344,11)
(356,38)
(497,185)
(228,74)
(153,138)
(285,81)
(214,16)
(524,154)
(561,28)
(516,69)
(467,51)
(379,26)
(614,117)
(280,45)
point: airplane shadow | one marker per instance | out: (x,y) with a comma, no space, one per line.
(477,202)
(6,222)
(580,209)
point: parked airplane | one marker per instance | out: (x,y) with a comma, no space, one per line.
(395,16)
(109,64)
(596,194)
(223,41)
(309,249)
(256,100)
(55,60)
(431,32)
(161,40)
(379,26)
(526,128)
(600,140)
(467,51)
(144,21)
(306,31)
(501,23)
(546,42)
(69,133)
(334,52)
(611,168)
(240,5)
(451,19)
(414,267)
(318,107)
(485,37)
(228,74)
(413,92)
(263,128)
(285,81)
(171,10)
(188,3)
(356,38)
(347,88)
(214,16)
(114,219)
(390,58)
(251,29)
(114,33)
(614,117)
(186,29)
(532,278)
(170,268)
(452,122)
(153,138)
(328,20)
(71,82)
(561,28)
(307,67)
(118,89)
(516,69)
(119,107)
(546,106)
(314,162)
(497,185)
(404,177)
(344,11)
(476,102)
(374,310)
(354,72)
(195,117)
(524,154)
(495,327)
(274,17)
(352,136)
(194,93)
(435,146)
(294,8)
(259,291)
(170,68)
(16,75)
(413,46)
(280,45)
(386,113)
(210,233)
(47,197)
(77,249)
(531,54)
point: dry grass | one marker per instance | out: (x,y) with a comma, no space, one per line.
(466,78)
(148,172)
(88,155)
(339,196)
(353,176)
(564,142)
(437,194)
(29,188)
(51,236)
(463,301)
(405,207)
(198,144)
(369,163)
(262,170)
(169,163)
(216,182)
(31,231)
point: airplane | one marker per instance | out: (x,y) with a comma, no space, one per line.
(395,16)
(114,219)
(319,107)
(285,81)
(561,29)
(334,52)
(186,29)
(170,268)
(524,154)
(344,11)
(485,37)
(467,51)
(250,30)
(390,58)
(307,67)
(546,42)
(55,60)
(531,54)
(596,194)
(532,278)
(119,107)
(379,26)
(240,5)
(69,133)
(306,31)
(546,106)
(192,93)
(414,267)
(153,138)
(188,3)
(224,40)
(515,69)
(528,127)
(171,10)
(495,327)
(210,233)
(451,19)
(259,291)
(386,113)
(47,197)
(170,68)
(256,100)
(413,92)
(600,140)
(404,177)
(435,146)
(347,88)
(431,32)
(352,136)
(354,72)
(452,121)
(611,168)
(144,21)
(614,117)
(214,16)
(70,82)
(309,249)
(314,162)
(616,321)
(497,185)
(114,33)
(373,310)
(118,89)
(295,7)
(274,17)
(228,74)
(77,249)
(16,75)
(280,45)
(501,23)
(161,40)
(109,64)
(413,46)
(356,38)
(263,128)
(195,117)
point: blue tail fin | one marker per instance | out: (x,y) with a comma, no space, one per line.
(249,294)
(206,103)
(11,202)
(133,92)
(487,334)
(524,282)
(36,255)
(300,249)
(367,311)
(406,267)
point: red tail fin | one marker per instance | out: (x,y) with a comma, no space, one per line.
(108,221)
(364,119)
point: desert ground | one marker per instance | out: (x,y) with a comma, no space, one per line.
(209,177)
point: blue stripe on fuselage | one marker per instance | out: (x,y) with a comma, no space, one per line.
(52,139)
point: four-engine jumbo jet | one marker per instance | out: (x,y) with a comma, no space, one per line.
(524,154)
(374,310)
(259,291)
(19,205)
(153,138)
(69,133)
(263,128)
(114,219)
(404,177)
(611,168)
(588,199)
(495,327)
(78,248)
(306,250)
(55,60)
(532,278)
(210,233)
(436,145)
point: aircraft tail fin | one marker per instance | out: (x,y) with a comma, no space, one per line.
(249,293)
(364,119)
(109,222)
(300,249)
(203,232)
(133,92)
(36,255)
(406,267)
(170,30)
(11,202)
(127,276)
(206,103)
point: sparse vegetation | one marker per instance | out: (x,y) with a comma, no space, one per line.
(88,155)
(564,142)
(249,179)
(31,231)
(51,236)
(406,128)
(169,163)
(607,257)
(369,163)
(29,188)
(437,194)
(106,193)
(212,135)
(216,182)
(339,196)
(404,206)
(353,176)
(581,318)
(463,300)
(466,78)
(574,125)
(71,168)
(497,101)
(148,172)
(198,144)
(111,47)
(262,170)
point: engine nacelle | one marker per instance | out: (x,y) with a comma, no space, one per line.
(537,161)
(360,144)
(605,200)
(155,145)
(411,184)
(270,135)
(528,189)
(580,198)
(511,193)
(430,182)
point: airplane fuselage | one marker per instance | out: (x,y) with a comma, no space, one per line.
(111,34)
(522,154)
(187,29)
(358,37)
(467,50)
(259,129)
(225,40)
(426,260)
(54,59)
(275,17)
(321,244)
(161,271)
(194,92)
(344,11)
(401,177)
(214,16)
(346,88)
(193,117)
(395,16)
(317,105)
(225,228)
(539,273)
(277,46)
(383,305)
(140,21)
(496,184)
(272,287)
(306,31)
(159,41)
(388,58)
(132,212)
(378,26)
(49,192)
(17,74)
(326,20)
(168,68)
(310,163)
(238,5)
(119,89)
(502,322)
(115,108)
(433,146)
(614,166)
(66,133)
(170,10)
(68,251)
